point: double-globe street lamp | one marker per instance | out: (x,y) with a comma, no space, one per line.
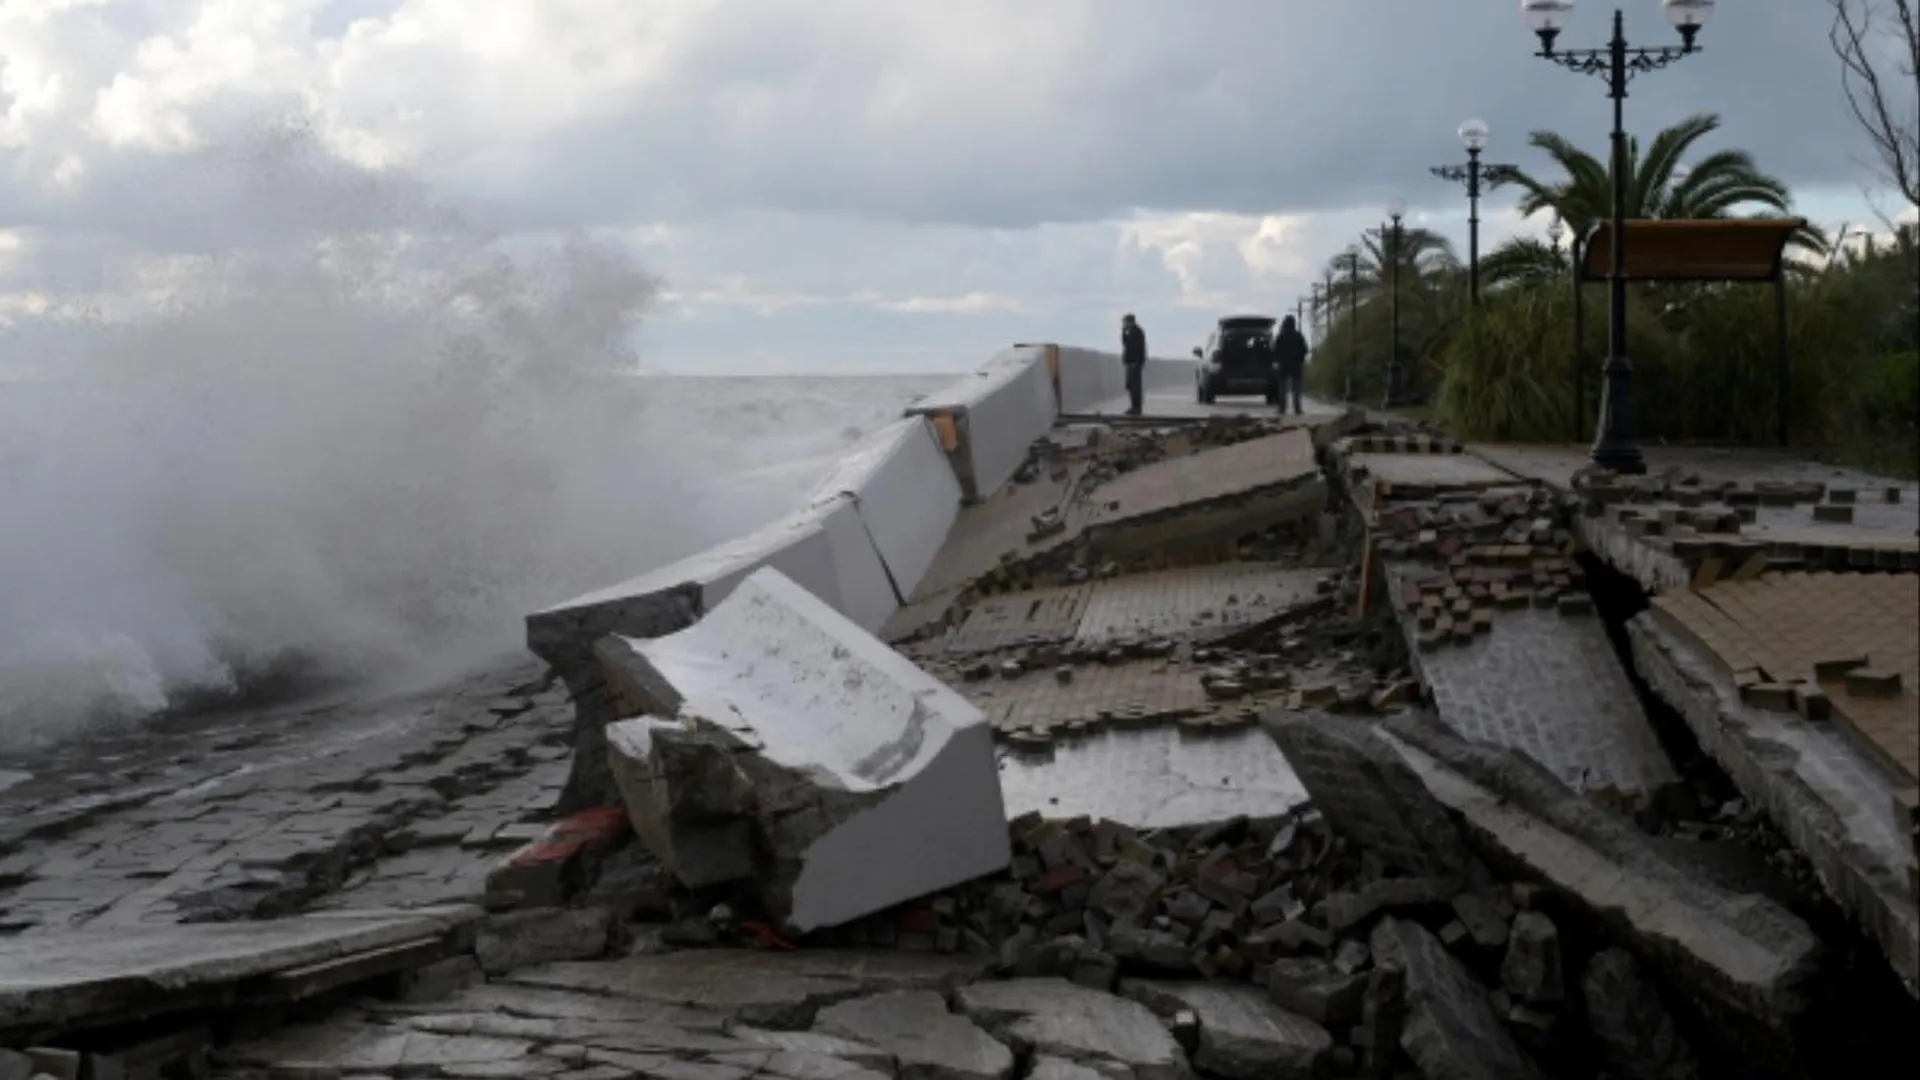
(1617,446)
(1396,210)
(1473,135)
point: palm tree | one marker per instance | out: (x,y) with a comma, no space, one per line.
(1522,261)
(1657,186)
(1425,255)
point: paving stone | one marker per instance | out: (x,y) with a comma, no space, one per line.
(1046,1067)
(800,1065)
(816,1043)
(1553,689)
(1056,1018)
(359,1047)
(915,1026)
(1243,1034)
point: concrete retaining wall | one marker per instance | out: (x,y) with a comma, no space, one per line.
(906,494)
(1089,378)
(990,418)
(870,531)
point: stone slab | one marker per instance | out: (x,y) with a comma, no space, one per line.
(1215,473)
(876,781)
(1154,778)
(916,1028)
(1056,1018)
(1243,1034)
(1451,1029)
(1745,961)
(68,981)
(1551,687)
(1828,798)
(1187,602)
(781,990)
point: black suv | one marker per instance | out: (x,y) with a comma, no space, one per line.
(1238,359)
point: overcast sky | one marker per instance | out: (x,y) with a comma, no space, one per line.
(846,185)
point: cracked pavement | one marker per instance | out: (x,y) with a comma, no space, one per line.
(393,802)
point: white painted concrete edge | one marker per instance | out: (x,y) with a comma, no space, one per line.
(868,534)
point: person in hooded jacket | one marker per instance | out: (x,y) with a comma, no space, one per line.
(1290,360)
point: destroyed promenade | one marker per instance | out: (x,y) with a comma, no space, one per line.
(1046,744)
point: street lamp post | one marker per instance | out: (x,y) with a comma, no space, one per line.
(1353,318)
(1396,210)
(1473,135)
(1617,445)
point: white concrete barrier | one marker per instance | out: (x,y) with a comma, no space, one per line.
(906,494)
(823,546)
(870,781)
(1090,378)
(994,416)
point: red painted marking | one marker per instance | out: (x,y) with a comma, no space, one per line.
(547,850)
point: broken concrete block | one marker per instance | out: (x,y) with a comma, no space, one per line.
(672,777)
(1317,990)
(1451,1029)
(916,1028)
(1872,682)
(1745,963)
(1243,1036)
(1531,971)
(1058,1019)
(1371,797)
(524,938)
(866,781)
(1632,1030)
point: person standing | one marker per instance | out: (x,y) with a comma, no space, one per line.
(1290,358)
(1133,359)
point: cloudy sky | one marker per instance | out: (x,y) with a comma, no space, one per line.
(854,185)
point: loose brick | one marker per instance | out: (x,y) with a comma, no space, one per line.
(1870,682)
(1811,702)
(1772,696)
(1837,667)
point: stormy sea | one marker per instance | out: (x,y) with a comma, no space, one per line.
(346,433)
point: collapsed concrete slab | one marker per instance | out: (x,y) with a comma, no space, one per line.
(1745,963)
(1370,796)
(1450,1027)
(778,742)
(61,982)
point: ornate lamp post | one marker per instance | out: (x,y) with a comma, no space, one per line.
(1396,210)
(1617,446)
(1473,135)
(1353,318)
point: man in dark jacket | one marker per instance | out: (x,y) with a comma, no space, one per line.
(1133,358)
(1290,358)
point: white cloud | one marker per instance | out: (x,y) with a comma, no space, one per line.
(951,173)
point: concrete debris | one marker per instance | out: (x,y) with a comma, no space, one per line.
(1531,971)
(1744,961)
(928,1041)
(1242,1034)
(1632,1030)
(836,775)
(1451,1029)
(1371,797)
(523,938)
(1317,989)
(1053,1017)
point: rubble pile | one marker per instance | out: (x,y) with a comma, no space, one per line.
(1703,522)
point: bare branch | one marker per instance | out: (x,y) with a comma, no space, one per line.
(1879,55)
